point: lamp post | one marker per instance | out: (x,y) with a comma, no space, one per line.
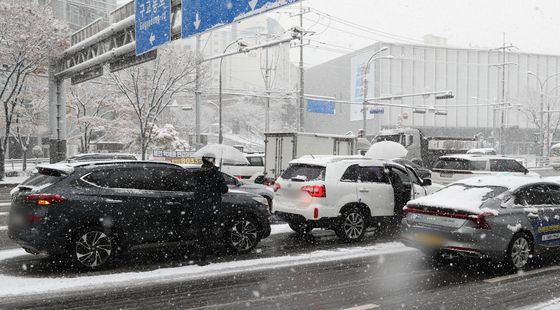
(365,85)
(241,46)
(544,134)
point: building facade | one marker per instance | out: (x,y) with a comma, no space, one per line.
(492,92)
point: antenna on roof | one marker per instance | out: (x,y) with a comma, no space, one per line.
(312,156)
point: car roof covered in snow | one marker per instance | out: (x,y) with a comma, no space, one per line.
(476,156)
(324,160)
(508,181)
(471,199)
(68,168)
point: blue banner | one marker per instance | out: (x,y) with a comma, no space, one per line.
(321,106)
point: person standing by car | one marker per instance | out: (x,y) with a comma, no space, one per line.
(209,198)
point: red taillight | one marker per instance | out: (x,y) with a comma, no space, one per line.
(480,220)
(277,186)
(44,199)
(315,190)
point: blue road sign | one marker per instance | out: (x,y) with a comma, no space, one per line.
(321,106)
(377,111)
(202,15)
(153,24)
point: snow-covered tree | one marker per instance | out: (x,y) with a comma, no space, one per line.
(30,120)
(97,114)
(29,35)
(149,89)
(167,138)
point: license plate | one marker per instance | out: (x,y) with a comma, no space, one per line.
(446,175)
(429,240)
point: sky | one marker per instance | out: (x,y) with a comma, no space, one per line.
(530,25)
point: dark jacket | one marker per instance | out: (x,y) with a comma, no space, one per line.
(211,185)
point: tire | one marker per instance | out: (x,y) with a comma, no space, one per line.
(519,251)
(352,226)
(300,228)
(92,249)
(242,235)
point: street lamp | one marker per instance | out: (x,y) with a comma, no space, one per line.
(365,83)
(242,45)
(544,134)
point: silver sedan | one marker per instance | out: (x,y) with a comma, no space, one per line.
(505,218)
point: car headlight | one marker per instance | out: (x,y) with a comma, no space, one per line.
(261,200)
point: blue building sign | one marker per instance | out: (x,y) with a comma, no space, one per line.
(153,24)
(321,106)
(377,110)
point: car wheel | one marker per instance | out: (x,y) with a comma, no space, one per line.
(352,226)
(92,249)
(519,251)
(300,228)
(242,235)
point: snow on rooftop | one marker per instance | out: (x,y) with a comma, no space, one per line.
(323,160)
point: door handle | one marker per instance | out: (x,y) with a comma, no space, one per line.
(113,201)
(532,215)
(364,190)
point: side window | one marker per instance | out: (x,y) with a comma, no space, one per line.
(553,194)
(373,175)
(98,178)
(165,179)
(415,179)
(255,161)
(130,179)
(351,174)
(533,195)
(403,176)
(506,165)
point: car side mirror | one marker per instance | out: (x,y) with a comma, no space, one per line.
(526,171)
(427,182)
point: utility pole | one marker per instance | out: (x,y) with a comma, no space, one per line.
(267,84)
(300,124)
(503,103)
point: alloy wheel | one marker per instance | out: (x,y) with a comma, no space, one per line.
(244,235)
(93,249)
(354,225)
(520,252)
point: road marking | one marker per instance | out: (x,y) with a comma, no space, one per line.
(5,204)
(4,213)
(3,228)
(522,274)
(364,307)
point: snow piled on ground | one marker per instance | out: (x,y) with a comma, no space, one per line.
(549,305)
(20,285)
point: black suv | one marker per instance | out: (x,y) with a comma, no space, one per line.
(89,212)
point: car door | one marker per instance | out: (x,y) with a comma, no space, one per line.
(375,190)
(402,187)
(418,189)
(176,189)
(541,204)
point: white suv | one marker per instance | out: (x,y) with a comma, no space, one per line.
(451,168)
(346,194)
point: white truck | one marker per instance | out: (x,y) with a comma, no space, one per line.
(281,148)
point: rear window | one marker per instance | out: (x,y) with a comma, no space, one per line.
(506,165)
(474,193)
(43,179)
(304,172)
(460,164)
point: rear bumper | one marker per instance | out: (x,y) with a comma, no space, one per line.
(463,242)
(297,218)
(36,239)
